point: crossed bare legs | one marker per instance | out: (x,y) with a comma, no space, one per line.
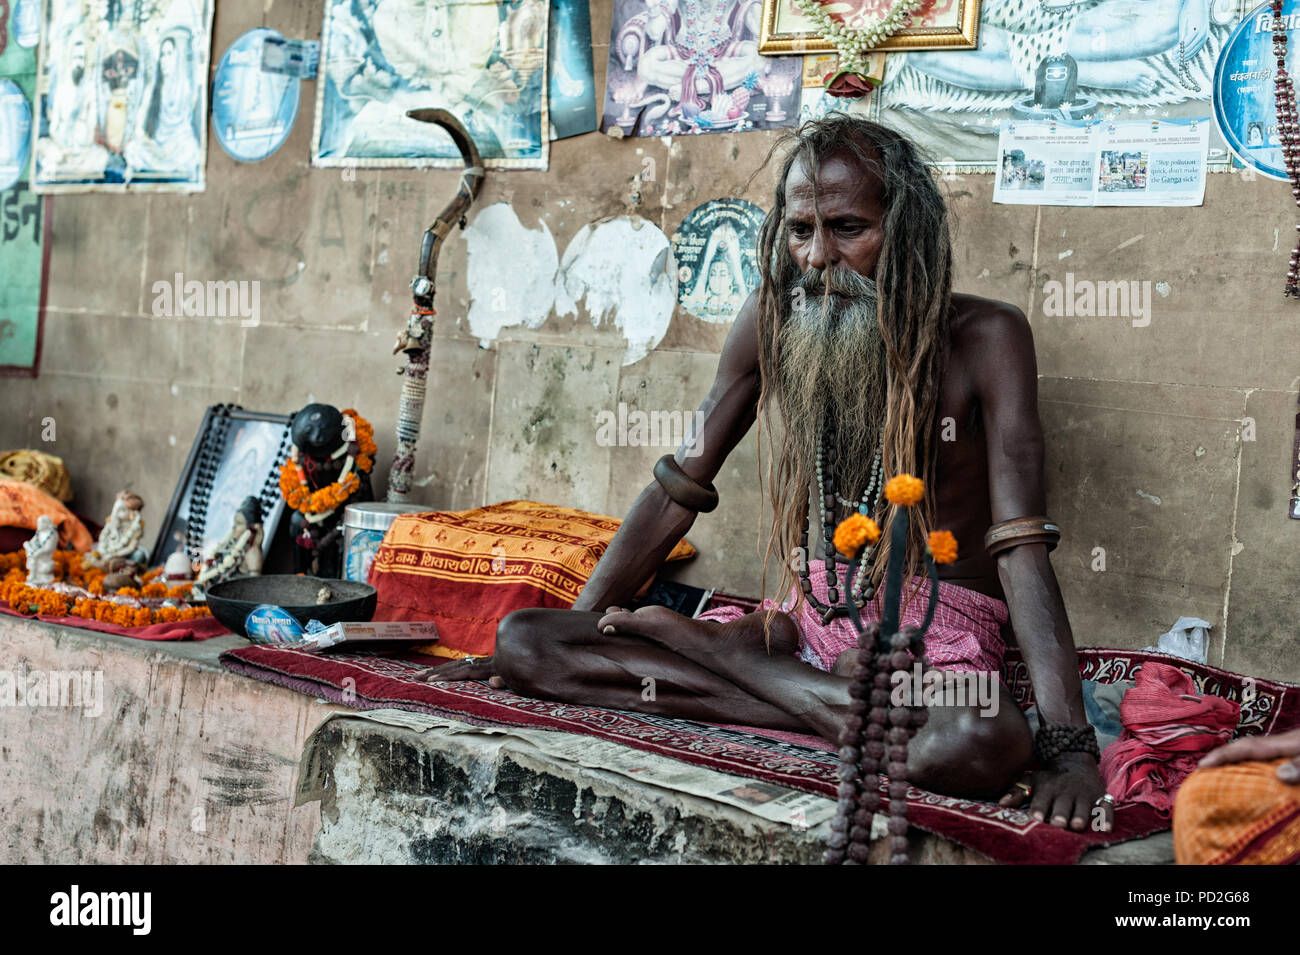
(658,661)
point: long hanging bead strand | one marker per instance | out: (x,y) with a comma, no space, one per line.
(1288,132)
(861,750)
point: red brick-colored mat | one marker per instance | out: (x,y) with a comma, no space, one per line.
(370,681)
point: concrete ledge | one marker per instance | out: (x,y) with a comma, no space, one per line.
(186,763)
(189,763)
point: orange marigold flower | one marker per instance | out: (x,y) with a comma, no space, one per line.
(943,547)
(854,531)
(904,490)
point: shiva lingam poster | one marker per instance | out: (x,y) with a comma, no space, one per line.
(122,96)
(483,60)
(1059,60)
(682,67)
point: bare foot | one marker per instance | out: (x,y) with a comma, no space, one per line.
(696,638)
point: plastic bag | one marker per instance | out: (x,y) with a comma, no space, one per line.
(1189,638)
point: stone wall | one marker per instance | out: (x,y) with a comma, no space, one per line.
(1145,453)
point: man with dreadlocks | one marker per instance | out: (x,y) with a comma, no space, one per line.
(876,369)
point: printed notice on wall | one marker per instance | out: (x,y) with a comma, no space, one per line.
(1157,162)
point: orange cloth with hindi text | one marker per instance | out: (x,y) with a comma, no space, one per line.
(467,570)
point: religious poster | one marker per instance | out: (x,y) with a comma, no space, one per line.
(23,214)
(253,109)
(572,70)
(1158,162)
(482,60)
(1244,106)
(122,100)
(1042,60)
(935,25)
(693,66)
(715,249)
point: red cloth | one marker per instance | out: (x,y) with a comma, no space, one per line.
(200,628)
(1168,727)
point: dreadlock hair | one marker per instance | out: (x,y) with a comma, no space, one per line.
(914,282)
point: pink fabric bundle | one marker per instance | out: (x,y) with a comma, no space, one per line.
(1168,727)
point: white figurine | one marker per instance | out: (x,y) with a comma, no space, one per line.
(40,553)
(121,534)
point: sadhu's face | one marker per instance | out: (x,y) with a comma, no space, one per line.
(849,231)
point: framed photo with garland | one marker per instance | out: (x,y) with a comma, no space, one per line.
(237,454)
(934,25)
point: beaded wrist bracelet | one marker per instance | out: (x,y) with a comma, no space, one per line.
(1053,739)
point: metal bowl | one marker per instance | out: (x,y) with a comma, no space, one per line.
(231,601)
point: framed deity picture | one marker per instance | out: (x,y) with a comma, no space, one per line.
(237,454)
(936,25)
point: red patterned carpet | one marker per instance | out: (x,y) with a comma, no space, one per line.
(370,681)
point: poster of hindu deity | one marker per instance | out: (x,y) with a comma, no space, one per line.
(715,249)
(681,67)
(482,60)
(123,96)
(1059,59)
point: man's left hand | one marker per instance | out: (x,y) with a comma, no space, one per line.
(1065,794)
(469,668)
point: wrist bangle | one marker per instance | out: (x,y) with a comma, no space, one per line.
(682,488)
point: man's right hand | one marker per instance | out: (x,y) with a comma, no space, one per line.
(470,668)
(1261,749)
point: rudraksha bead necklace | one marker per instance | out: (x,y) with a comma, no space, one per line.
(828,498)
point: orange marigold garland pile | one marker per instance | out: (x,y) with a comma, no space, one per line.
(293,479)
(68,568)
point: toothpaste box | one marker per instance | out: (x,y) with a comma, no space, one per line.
(374,632)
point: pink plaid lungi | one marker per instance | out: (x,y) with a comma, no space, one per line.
(965,635)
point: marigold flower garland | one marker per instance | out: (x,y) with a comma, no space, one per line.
(293,479)
(126,612)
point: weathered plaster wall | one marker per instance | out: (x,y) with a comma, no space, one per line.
(1145,452)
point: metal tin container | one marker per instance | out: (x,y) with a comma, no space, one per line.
(364,526)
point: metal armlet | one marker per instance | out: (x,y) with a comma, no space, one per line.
(1022,530)
(684,489)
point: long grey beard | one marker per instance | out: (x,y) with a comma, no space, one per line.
(831,367)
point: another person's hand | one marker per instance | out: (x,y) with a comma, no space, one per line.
(1260,749)
(468,668)
(1064,794)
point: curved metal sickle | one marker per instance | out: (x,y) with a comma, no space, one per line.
(471,181)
